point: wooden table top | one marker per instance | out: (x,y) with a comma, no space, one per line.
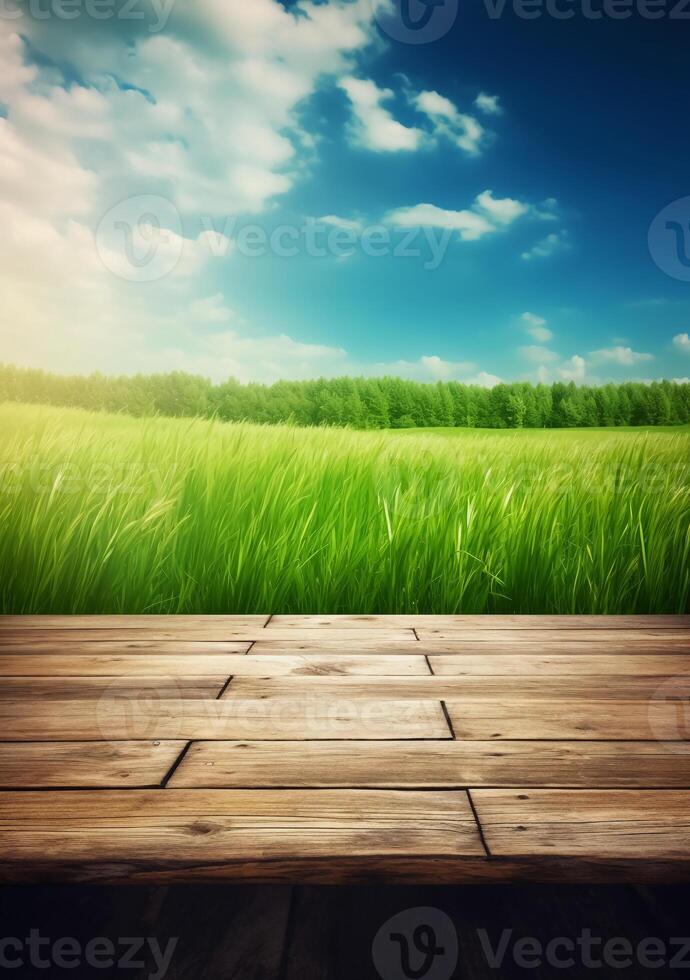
(326,749)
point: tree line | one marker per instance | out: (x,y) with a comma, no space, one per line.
(362,403)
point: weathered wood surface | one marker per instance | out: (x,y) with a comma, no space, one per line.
(87,764)
(116,718)
(602,687)
(344,748)
(418,765)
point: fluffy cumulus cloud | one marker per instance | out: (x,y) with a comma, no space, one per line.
(574,369)
(217,122)
(536,327)
(487,215)
(374,126)
(682,342)
(204,118)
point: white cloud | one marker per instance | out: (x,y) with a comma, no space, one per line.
(207,112)
(486,215)
(625,356)
(543,249)
(573,369)
(682,342)
(463,130)
(469,225)
(445,370)
(538,354)
(353,225)
(374,126)
(433,104)
(206,115)
(484,380)
(536,327)
(502,211)
(489,104)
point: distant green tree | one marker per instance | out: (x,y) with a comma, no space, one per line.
(373,403)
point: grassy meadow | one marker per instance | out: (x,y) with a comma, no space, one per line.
(105,513)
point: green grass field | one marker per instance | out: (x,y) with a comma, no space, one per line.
(111,514)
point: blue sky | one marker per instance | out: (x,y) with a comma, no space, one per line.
(228,188)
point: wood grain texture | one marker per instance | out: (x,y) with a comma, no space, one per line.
(116,665)
(55,645)
(233,830)
(416,765)
(170,634)
(592,824)
(489,622)
(331,665)
(602,687)
(86,764)
(117,718)
(93,688)
(349,646)
(544,642)
(582,666)
(179,665)
(144,622)
(511,718)
(338,749)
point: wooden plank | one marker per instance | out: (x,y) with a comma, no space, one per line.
(391,634)
(330,665)
(117,718)
(234,834)
(491,622)
(89,688)
(55,645)
(511,718)
(86,764)
(196,634)
(104,665)
(144,622)
(350,647)
(606,687)
(403,637)
(581,666)
(222,666)
(431,765)
(549,642)
(598,824)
